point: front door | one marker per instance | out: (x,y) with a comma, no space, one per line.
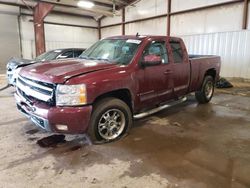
(157,85)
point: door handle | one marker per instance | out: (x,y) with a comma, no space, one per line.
(168,72)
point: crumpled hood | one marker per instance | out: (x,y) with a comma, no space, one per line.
(59,71)
(14,62)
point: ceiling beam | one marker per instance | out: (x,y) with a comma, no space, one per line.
(92,10)
(57,12)
(75,6)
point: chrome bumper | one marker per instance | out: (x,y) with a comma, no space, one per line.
(27,109)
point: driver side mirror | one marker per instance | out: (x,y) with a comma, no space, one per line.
(151,60)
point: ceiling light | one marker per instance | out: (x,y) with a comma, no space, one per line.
(85,4)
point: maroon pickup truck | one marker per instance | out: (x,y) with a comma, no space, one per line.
(115,80)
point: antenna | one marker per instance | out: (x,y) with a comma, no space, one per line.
(137,34)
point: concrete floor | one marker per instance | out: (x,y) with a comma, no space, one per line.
(189,145)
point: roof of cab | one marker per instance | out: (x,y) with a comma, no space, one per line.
(138,37)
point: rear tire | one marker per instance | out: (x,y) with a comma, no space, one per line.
(110,120)
(207,90)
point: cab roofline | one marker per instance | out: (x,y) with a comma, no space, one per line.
(137,37)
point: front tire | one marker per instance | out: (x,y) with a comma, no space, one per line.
(207,90)
(110,120)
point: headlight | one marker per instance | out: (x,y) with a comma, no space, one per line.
(71,95)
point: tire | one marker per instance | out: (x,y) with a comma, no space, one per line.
(109,115)
(207,90)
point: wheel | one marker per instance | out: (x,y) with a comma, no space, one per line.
(110,120)
(207,90)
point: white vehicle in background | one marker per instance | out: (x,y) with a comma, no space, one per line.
(15,64)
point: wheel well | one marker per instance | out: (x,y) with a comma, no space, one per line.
(211,72)
(122,94)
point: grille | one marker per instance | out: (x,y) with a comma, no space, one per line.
(31,89)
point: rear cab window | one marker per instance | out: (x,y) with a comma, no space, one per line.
(67,54)
(77,53)
(176,51)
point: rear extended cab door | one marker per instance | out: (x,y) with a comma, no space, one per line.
(181,66)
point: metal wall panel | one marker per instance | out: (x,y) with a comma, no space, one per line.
(70,36)
(146,8)
(112,20)
(9,36)
(233,47)
(178,5)
(150,27)
(111,31)
(218,19)
(58,36)
(77,20)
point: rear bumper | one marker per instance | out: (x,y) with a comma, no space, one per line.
(48,118)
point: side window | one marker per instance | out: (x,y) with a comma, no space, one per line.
(68,54)
(156,49)
(177,52)
(77,53)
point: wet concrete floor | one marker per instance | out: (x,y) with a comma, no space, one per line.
(189,145)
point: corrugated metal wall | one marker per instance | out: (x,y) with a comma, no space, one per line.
(111,31)
(58,36)
(233,47)
(215,31)
(9,36)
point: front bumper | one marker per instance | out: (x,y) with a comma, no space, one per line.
(48,118)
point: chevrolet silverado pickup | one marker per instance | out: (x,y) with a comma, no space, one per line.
(113,81)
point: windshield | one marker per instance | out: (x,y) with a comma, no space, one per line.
(47,56)
(120,51)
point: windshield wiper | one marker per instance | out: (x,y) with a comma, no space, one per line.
(95,58)
(100,58)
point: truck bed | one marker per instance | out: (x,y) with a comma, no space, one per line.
(193,56)
(199,65)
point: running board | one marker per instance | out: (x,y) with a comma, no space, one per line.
(154,110)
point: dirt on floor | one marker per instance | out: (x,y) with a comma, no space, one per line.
(240,87)
(186,146)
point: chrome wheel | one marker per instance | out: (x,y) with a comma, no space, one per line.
(111,124)
(209,89)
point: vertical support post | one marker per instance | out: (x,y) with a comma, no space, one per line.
(41,10)
(123,21)
(169,18)
(245,15)
(99,29)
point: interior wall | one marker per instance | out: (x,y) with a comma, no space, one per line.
(150,27)
(112,20)
(219,19)
(211,31)
(111,31)
(9,35)
(233,47)
(59,36)
(145,8)
(178,5)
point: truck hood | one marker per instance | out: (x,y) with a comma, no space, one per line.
(59,71)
